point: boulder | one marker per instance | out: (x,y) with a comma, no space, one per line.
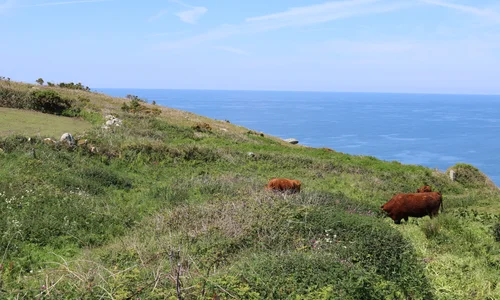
(251,154)
(453,175)
(292,141)
(67,138)
(112,121)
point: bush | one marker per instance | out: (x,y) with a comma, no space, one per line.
(469,176)
(202,127)
(496,232)
(74,86)
(136,98)
(431,228)
(13,98)
(48,101)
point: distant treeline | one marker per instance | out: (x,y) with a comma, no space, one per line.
(69,85)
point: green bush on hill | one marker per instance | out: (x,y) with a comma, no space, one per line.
(48,101)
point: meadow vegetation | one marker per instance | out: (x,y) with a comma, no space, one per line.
(173,206)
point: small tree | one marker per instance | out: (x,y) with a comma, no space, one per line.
(40,81)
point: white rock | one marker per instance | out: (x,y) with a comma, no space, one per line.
(292,141)
(453,175)
(68,138)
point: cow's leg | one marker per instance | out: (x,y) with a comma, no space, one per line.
(397,221)
(406,219)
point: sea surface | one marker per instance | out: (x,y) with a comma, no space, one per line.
(436,131)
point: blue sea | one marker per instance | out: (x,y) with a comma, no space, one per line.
(436,131)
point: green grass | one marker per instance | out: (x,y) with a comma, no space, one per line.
(162,203)
(31,123)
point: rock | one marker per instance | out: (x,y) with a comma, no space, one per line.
(110,117)
(105,127)
(251,154)
(93,149)
(1,151)
(49,141)
(453,175)
(82,142)
(68,138)
(223,129)
(113,122)
(292,141)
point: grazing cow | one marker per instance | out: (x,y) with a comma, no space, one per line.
(284,185)
(416,205)
(424,189)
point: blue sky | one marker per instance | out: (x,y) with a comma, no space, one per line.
(423,46)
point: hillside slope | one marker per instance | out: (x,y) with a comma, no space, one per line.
(171,205)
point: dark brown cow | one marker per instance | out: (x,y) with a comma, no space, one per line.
(416,205)
(284,185)
(424,189)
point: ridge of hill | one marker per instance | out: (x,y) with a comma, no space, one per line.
(172,205)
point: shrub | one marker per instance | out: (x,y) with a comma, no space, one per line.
(136,98)
(496,232)
(202,127)
(74,86)
(469,176)
(40,81)
(48,101)
(431,228)
(13,98)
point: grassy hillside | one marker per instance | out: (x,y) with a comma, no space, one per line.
(171,205)
(31,123)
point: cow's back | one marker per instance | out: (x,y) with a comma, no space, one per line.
(284,184)
(402,206)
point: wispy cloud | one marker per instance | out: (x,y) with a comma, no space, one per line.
(158,15)
(317,11)
(6,5)
(63,3)
(192,14)
(293,17)
(231,50)
(481,12)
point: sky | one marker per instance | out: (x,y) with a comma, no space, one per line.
(401,46)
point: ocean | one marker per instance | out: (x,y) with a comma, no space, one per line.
(435,131)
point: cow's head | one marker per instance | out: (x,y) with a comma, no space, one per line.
(424,189)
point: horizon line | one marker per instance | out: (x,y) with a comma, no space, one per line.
(302,91)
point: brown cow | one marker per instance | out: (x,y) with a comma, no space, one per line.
(424,189)
(416,205)
(284,185)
